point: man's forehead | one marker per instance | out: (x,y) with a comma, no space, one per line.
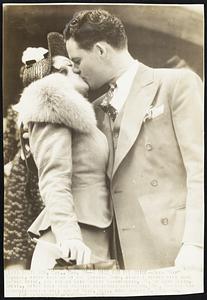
(72,44)
(73,49)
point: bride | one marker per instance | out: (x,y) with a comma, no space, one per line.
(71,156)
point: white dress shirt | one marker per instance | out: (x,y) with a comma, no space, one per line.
(124,83)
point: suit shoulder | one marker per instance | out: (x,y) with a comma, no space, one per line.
(174,72)
(173,75)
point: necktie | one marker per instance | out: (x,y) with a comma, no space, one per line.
(105,104)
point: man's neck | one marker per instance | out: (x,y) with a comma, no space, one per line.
(121,62)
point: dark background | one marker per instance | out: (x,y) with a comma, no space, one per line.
(155,33)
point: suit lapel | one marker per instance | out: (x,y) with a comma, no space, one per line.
(141,95)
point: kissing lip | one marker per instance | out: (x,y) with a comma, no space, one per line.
(85,80)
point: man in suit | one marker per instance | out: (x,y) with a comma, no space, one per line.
(155,137)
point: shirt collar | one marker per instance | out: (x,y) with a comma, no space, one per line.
(123,86)
(128,75)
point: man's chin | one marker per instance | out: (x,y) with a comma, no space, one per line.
(93,87)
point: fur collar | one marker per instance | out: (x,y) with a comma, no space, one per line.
(53,99)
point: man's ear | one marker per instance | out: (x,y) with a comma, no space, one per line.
(101,49)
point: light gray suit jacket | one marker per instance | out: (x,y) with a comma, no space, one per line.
(156,166)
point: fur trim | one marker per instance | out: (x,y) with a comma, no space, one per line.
(53,99)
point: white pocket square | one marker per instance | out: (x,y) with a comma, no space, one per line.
(154,112)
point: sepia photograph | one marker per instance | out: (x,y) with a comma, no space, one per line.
(103,144)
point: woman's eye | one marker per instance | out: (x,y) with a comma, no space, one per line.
(63,71)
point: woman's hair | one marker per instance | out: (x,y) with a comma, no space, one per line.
(90,26)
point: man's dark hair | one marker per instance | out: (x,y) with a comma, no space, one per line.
(88,27)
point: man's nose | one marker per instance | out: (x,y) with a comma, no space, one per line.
(76,70)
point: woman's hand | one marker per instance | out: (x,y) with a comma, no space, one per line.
(75,249)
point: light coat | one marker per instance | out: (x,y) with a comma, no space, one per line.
(71,155)
(156,166)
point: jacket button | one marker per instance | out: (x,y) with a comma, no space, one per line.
(116,135)
(164,221)
(154,182)
(148,147)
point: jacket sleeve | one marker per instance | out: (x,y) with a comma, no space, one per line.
(52,150)
(187,113)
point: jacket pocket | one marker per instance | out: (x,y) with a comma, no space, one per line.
(180,205)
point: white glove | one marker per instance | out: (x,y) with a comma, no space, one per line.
(75,249)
